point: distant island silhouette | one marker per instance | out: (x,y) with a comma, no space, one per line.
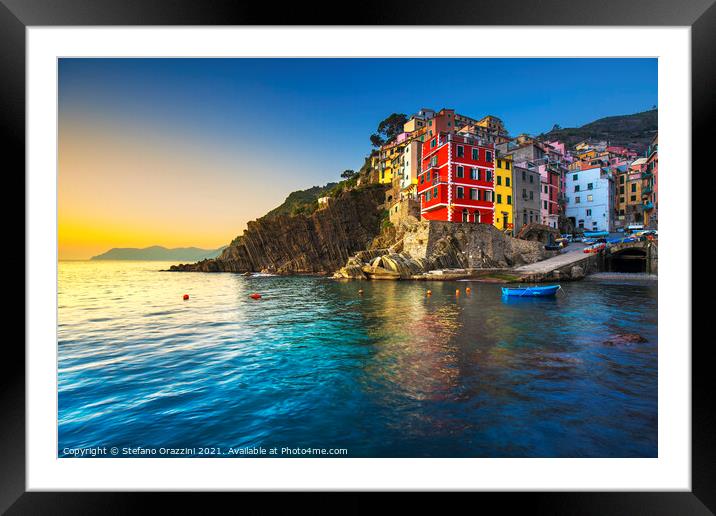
(158,253)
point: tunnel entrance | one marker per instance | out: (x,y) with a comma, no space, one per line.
(629,260)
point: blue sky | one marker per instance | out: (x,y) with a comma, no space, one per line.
(276,125)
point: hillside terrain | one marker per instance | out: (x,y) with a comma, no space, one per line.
(158,253)
(635,131)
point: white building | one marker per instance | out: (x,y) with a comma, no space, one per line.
(409,166)
(590,199)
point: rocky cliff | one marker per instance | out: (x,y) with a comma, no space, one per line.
(430,245)
(310,244)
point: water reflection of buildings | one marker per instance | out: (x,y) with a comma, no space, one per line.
(414,350)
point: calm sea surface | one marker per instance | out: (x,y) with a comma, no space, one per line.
(390,373)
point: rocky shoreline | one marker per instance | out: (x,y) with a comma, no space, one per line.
(432,250)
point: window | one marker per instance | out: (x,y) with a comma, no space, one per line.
(621,179)
(575,177)
(435,191)
(507,165)
(532,179)
(465,215)
(488,156)
(422,179)
(460,192)
(633,198)
(434,161)
(488,196)
(507,181)
(576,188)
(524,218)
(532,195)
(544,204)
(621,190)
(589,198)
(433,142)
(473,194)
(499,198)
(427,195)
(576,200)
(460,171)
(509,199)
(475,154)
(460,151)
(589,213)
(633,187)
(590,186)
(524,178)
(499,180)
(488,175)
(546,189)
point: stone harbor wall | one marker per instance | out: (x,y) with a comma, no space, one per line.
(432,245)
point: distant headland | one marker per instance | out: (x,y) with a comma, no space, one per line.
(158,253)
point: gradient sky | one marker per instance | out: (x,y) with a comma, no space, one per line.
(184,152)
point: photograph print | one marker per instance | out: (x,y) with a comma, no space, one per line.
(357,257)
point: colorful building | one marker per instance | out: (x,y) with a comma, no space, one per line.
(526,200)
(590,199)
(390,155)
(409,167)
(628,203)
(503,193)
(457,181)
(650,184)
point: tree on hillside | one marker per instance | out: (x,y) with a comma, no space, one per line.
(347,174)
(388,129)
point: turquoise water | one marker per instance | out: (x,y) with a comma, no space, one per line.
(314,365)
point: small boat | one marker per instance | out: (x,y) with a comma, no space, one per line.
(549,290)
(596,234)
(594,248)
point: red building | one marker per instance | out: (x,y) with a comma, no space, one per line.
(457,180)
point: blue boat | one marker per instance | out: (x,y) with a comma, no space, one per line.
(549,290)
(596,234)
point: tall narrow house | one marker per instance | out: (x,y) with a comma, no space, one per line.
(457,179)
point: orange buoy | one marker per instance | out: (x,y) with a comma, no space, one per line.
(186,296)
(255,296)
(457,291)
(467,290)
(429,292)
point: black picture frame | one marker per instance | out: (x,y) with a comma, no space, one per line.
(16,15)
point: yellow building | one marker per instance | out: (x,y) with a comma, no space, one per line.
(493,124)
(503,194)
(389,162)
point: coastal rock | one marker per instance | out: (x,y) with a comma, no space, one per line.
(538,233)
(303,244)
(431,245)
(576,272)
(351,272)
(624,339)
